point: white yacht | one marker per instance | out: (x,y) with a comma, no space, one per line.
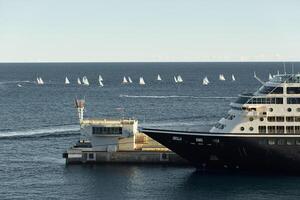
(261,131)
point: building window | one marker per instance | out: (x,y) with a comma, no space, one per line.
(262,129)
(289,109)
(242,128)
(251,128)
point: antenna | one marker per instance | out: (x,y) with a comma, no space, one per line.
(262,82)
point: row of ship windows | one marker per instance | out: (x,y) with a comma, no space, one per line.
(279,119)
(275,129)
(107,130)
(279,90)
(251,100)
(270,141)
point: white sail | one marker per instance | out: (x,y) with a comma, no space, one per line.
(142,82)
(129,79)
(67,81)
(158,77)
(221,77)
(175,79)
(205,81)
(78,81)
(100,78)
(101,84)
(270,77)
(232,77)
(85,81)
(39,81)
(124,80)
(179,79)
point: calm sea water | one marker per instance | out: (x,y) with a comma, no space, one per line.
(38,123)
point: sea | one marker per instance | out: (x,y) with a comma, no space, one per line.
(39,122)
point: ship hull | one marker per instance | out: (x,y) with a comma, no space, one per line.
(211,151)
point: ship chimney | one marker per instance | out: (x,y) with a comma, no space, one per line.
(79,104)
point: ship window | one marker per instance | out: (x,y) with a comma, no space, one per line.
(271,109)
(297,119)
(290,119)
(251,128)
(176,138)
(216,140)
(251,118)
(290,142)
(271,129)
(289,109)
(281,142)
(280,129)
(289,129)
(298,109)
(271,119)
(271,141)
(242,100)
(293,100)
(271,90)
(107,130)
(263,141)
(261,119)
(298,142)
(297,129)
(280,119)
(242,128)
(279,100)
(293,90)
(199,139)
(262,129)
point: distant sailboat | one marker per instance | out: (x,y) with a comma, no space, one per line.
(142,82)
(124,80)
(19,85)
(129,79)
(78,81)
(100,79)
(175,79)
(179,79)
(221,77)
(270,77)
(67,81)
(232,77)
(205,81)
(85,81)
(158,77)
(39,81)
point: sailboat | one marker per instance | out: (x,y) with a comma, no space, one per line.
(124,80)
(142,82)
(221,77)
(100,79)
(158,77)
(232,77)
(39,81)
(67,81)
(179,79)
(175,79)
(270,77)
(78,81)
(85,81)
(205,81)
(129,79)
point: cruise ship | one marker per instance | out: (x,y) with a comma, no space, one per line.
(261,132)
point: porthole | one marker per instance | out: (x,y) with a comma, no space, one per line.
(251,128)
(271,109)
(251,119)
(242,128)
(261,119)
(289,109)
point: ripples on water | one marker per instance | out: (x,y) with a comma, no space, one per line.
(40,122)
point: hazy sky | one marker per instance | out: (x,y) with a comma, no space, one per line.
(149,30)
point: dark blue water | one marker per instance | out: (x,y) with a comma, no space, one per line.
(39,122)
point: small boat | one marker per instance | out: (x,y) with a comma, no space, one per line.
(19,85)
(85,81)
(67,81)
(232,77)
(158,77)
(205,81)
(175,79)
(221,77)
(124,80)
(129,79)
(142,82)
(179,79)
(78,81)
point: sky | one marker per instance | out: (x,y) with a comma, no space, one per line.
(149,30)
